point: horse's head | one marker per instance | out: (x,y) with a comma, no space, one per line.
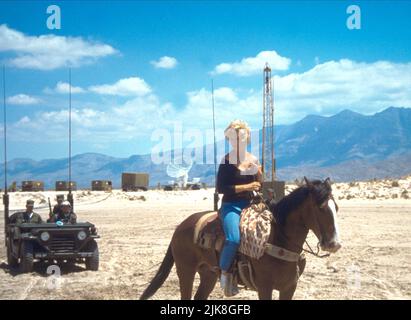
(321,216)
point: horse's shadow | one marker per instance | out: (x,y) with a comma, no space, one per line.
(40,268)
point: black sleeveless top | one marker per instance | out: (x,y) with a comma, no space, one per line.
(228,176)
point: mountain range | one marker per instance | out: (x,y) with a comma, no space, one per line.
(346,146)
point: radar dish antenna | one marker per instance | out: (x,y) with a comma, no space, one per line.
(179,172)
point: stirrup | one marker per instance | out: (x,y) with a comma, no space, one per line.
(228,285)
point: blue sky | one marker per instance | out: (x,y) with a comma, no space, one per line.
(140,67)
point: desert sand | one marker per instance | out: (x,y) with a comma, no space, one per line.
(136,227)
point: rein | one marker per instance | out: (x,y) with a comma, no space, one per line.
(310,251)
(316,254)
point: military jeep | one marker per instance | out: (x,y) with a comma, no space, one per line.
(51,242)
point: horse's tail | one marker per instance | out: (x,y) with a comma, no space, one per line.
(160,276)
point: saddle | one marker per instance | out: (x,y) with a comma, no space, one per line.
(207,230)
(255,228)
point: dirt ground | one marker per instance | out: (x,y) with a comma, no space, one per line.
(135,230)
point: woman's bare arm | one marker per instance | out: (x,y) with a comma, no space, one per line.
(253,186)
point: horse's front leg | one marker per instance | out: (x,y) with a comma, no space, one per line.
(288,293)
(265,292)
(301,266)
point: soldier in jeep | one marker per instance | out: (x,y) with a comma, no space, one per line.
(27,216)
(66,215)
(57,208)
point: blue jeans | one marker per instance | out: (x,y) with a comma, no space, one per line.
(230,213)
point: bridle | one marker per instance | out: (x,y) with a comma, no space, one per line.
(283,235)
(322,206)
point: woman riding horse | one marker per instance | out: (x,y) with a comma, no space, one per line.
(309,207)
(239,174)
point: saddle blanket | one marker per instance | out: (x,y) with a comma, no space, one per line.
(255,228)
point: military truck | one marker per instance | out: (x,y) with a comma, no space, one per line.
(65,186)
(134,181)
(101,185)
(194,184)
(51,242)
(171,186)
(32,186)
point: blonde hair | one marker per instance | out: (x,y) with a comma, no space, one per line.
(238,124)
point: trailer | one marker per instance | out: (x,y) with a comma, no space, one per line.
(134,181)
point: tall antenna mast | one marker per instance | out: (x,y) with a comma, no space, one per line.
(268,157)
(5,129)
(215,152)
(5,195)
(70,196)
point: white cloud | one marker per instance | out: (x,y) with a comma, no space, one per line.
(24,120)
(165,63)
(124,87)
(229,105)
(23,99)
(200,101)
(225,94)
(133,119)
(254,65)
(48,52)
(63,87)
(53,125)
(332,86)
(325,89)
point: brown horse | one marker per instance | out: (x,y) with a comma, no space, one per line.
(309,207)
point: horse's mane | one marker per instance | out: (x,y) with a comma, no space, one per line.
(291,202)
